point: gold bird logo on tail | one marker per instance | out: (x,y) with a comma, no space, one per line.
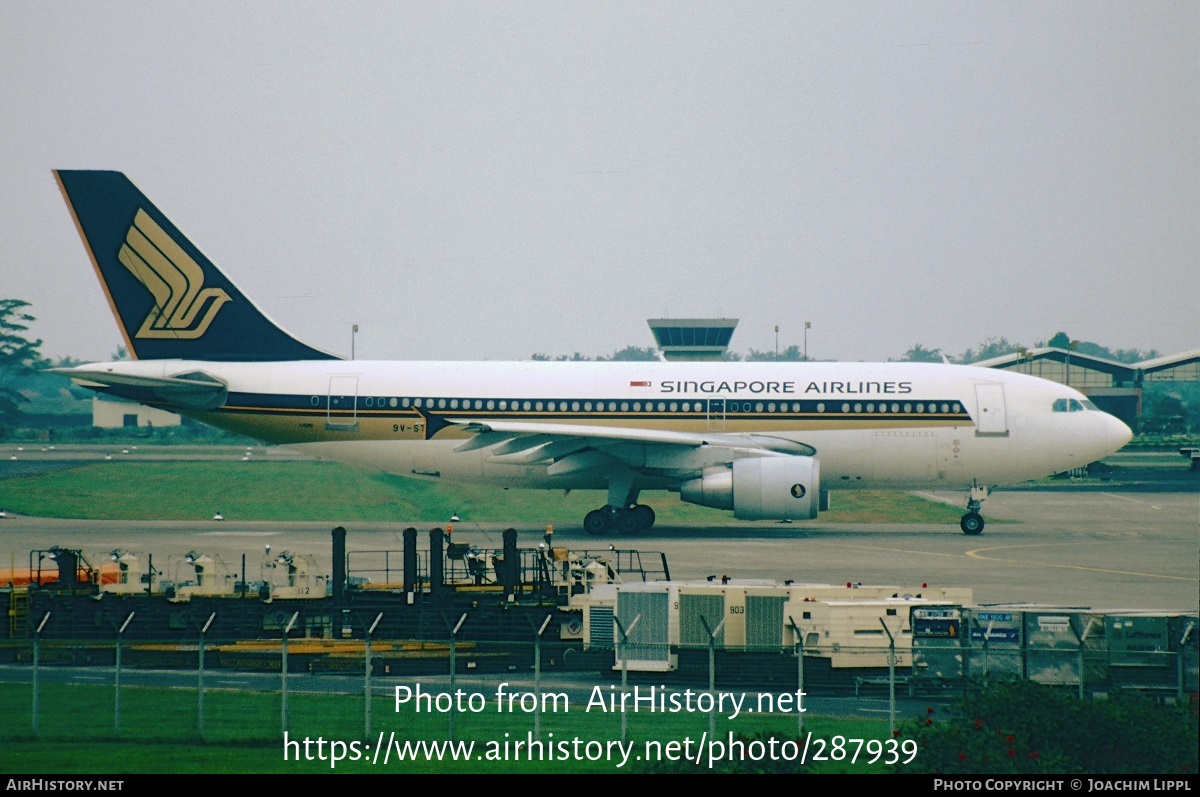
(174,279)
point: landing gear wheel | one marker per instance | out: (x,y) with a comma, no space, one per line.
(644,515)
(597,522)
(627,522)
(972,523)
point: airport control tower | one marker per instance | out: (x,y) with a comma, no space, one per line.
(692,339)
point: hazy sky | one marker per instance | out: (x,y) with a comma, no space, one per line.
(488,180)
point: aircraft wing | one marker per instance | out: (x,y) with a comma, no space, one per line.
(574,447)
(194,391)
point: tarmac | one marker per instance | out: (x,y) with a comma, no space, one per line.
(1105,546)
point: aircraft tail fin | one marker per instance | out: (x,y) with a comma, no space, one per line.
(170,301)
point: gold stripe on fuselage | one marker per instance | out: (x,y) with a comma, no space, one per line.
(285,425)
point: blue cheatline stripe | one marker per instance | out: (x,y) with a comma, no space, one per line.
(599,409)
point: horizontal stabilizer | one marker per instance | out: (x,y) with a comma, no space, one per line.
(195,391)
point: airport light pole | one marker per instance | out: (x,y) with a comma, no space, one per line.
(37,637)
(799,636)
(712,666)
(353,332)
(283,673)
(624,632)
(200,677)
(117,680)
(367,676)
(537,678)
(453,669)
(891,676)
(807,326)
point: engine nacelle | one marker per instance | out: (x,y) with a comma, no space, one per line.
(760,488)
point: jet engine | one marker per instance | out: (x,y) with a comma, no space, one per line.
(760,488)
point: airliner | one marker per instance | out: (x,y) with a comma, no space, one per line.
(766,440)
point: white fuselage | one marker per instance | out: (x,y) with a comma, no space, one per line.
(890,425)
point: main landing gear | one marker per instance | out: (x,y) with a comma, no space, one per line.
(622,513)
(626,521)
(972,522)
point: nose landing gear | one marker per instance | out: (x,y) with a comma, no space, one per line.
(972,522)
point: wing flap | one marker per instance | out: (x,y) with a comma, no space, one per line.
(504,431)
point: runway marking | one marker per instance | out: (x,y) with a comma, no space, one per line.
(1134,500)
(900,550)
(975,554)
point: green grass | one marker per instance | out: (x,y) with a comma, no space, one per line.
(243,732)
(326,491)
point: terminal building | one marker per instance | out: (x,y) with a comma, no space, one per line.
(1112,386)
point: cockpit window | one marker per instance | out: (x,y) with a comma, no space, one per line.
(1070,405)
(1090,406)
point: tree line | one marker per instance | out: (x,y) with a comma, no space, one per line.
(917,353)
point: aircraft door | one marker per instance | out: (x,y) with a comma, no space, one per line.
(716,415)
(992,418)
(341,412)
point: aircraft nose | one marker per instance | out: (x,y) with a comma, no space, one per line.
(1118,433)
